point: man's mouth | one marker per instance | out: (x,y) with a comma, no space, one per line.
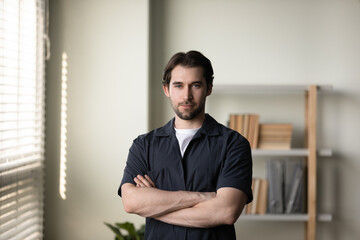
(186,105)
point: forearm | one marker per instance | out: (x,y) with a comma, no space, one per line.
(152,202)
(214,212)
(200,216)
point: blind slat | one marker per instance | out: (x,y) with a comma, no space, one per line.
(31,202)
(37,126)
(36,135)
(16,191)
(29,206)
(22,170)
(14,153)
(23,228)
(20,174)
(34,234)
(20,162)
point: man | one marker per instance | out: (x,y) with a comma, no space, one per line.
(192,177)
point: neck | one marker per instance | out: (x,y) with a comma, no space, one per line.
(189,124)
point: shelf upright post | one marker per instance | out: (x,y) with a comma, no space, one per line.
(311,110)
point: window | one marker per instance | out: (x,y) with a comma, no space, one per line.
(22,64)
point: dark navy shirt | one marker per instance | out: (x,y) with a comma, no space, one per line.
(216,157)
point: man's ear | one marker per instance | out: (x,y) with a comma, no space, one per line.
(166,89)
(209,89)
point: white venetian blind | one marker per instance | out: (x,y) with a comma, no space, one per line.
(21,118)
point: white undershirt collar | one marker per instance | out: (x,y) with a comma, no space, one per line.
(184,137)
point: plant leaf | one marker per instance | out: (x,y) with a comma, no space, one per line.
(117,232)
(130,228)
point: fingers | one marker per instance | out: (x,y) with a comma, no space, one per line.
(150,181)
(143,181)
(138,182)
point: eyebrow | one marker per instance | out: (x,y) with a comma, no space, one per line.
(195,82)
(175,83)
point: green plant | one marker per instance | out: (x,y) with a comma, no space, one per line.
(132,232)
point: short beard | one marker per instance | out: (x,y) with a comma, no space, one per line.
(190,115)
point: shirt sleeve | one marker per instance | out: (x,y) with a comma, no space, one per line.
(136,162)
(236,170)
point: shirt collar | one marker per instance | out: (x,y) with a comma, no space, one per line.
(209,127)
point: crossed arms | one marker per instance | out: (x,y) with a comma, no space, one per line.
(183,208)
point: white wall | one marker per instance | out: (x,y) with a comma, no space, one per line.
(258,41)
(107,46)
(281,42)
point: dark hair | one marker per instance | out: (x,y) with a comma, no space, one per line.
(189,59)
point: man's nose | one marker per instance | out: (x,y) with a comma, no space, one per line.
(187,93)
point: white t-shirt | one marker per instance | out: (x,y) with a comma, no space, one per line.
(184,137)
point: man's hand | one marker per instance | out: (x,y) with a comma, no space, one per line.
(144,181)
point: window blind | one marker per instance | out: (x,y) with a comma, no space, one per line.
(22,65)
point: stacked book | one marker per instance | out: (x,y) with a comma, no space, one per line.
(275,136)
(260,192)
(247,125)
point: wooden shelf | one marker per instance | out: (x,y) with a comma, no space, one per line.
(285,217)
(296,152)
(310,152)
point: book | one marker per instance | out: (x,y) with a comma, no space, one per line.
(232,122)
(245,130)
(260,191)
(256,131)
(271,145)
(275,136)
(275,176)
(294,186)
(286,186)
(247,125)
(240,123)
(262,197)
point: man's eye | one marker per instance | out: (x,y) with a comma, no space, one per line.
(177,86)
(197,85)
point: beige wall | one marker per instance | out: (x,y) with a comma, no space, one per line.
(110,45)
(107,46)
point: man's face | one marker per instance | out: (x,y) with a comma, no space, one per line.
(187,91)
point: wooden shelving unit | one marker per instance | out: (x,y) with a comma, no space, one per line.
(299,152)
(310,152)
(287,217)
